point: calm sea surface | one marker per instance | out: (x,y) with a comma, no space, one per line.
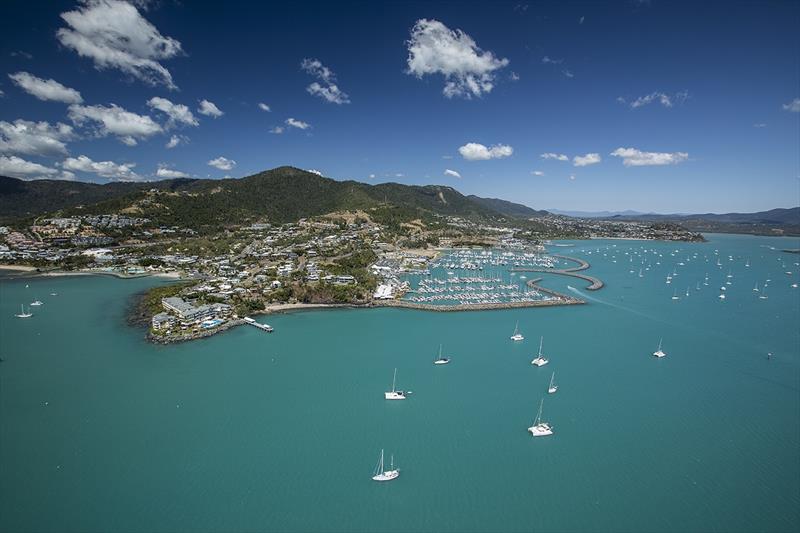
(101,431)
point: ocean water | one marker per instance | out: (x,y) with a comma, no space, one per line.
(246,431)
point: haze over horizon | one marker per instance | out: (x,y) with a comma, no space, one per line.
(579,107)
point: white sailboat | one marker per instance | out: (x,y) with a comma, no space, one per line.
(675,295)
(385,475)
(540,359)
(37,303)
(517,336)
(539,428)
(755,289)
(441,360)
(22,313)
(763,295)
(659,352)
(553,387)
(394,394)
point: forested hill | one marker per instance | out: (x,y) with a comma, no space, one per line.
(283,194)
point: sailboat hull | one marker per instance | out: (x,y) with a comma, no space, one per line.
(394,395)
(386,476)
(540,430)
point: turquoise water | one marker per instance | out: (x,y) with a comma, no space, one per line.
(100,431)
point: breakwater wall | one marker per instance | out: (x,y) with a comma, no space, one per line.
(596,283)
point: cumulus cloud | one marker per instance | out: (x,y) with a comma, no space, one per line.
(537,173)
(34,138)
(327,90)
(105,169)
(550,61)
(451,173)
(16,167)
(294,123)
(222,163)
(631,157)
(209,109)
(264,107)
(793,106)
(47,90)
(662,98)
(165,172)
(277,130)
(177,113)
(586,160)
(128,127)
(469,71)
(113,34)
(478,152)
(176,140)
(557,157)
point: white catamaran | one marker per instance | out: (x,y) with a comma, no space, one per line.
(553,387)
(22,313)
(539,428)
(441,360)
(394,394)
(385,475)
(517,336)
(659,352)
(540,360)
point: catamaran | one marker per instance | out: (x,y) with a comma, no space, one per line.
(22,313)
(539,428)
(385,475)
(540,359)
(659,352)
(394,394)
(37,303)
(517,336)
(441,360)
(553,387)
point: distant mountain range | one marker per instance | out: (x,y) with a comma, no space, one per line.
(286,194)
(595,214)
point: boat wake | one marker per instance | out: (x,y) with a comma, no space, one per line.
(585,296)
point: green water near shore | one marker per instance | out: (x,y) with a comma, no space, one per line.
(101,431)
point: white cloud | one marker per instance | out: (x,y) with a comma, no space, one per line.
(550,61)
(114,120)
(557,157)
(477,152)
(113,34)
(277,130)
(793,106)
(568,73)
(46,89)
(631,157)
(537,173)
(17,167)
(209,109)
(294,123)
(452,173)
(176,140)
(314,171)
(513,76)
(177,113)
(34,138)
(662,98)
(469,71)
(105,169)
(580,21)
(264,107)
(222,163)
(759,125)
(586,160)
(167,173)
(327,90)
(572,177)
(371,176)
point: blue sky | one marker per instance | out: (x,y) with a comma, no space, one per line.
(653,106)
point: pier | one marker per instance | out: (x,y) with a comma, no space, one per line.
(572,272)
(259,325)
